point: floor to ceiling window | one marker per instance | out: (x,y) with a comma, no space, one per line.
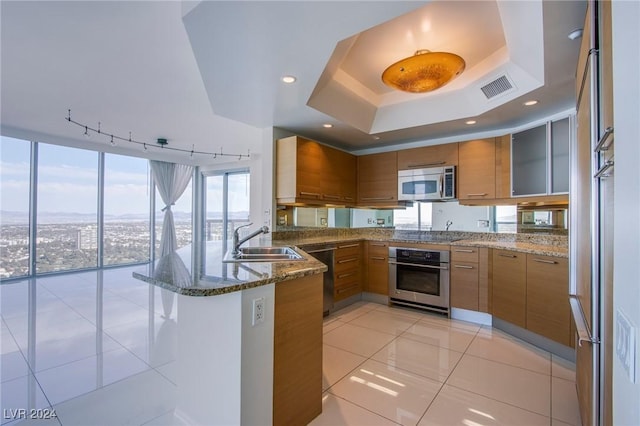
(14,204)
(227,204)
(126,210)
(67,209)
(56,200)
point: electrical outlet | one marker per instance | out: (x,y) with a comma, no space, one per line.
(258,311)
(625,338)
(483,223)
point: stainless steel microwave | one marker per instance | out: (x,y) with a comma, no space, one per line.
(434,183)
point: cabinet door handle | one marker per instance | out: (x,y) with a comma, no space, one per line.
(512,256)
(377,258)
(312,194)
(331,197)
(348,260)
(601,144)
(437,163)
(342,290)
(348,198)
(463,267)
(376,198)
(484,194)
(551,262)
(349,246)
(604,169)
(378,244)
(345,275)
(464,251)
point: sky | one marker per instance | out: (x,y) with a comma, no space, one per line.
(67,181)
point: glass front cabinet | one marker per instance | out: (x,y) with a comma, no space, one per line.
(540,159)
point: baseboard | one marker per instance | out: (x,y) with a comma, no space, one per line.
(471,316)
(375,298)
(535,339)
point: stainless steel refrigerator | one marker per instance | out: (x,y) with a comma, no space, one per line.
(591,216)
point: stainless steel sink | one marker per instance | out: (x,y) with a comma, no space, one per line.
(263,254)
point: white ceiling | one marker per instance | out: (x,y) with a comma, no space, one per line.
(207,75)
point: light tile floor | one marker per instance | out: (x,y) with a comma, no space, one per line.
(389,365)
(99,348)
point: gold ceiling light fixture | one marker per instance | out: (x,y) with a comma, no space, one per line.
(423,72)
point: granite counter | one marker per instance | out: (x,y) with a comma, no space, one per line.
(173,272)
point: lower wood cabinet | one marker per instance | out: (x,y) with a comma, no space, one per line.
(297,351)
(347,272)
(532,292)
(377,276)
(464,292)
(509,293)
(470,278)
(548,311)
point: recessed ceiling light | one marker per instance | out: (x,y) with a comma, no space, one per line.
(288,79)
(530,103)
(577,33)
(327,125)
(471,122)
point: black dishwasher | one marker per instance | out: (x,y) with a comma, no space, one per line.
(324,253)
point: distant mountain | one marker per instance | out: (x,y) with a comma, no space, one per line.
(8,217)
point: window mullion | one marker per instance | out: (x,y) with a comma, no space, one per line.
(33,207)
(100,230)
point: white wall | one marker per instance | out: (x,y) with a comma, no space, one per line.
(626,292)
(464,218)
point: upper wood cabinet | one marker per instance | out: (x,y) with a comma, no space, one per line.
(340,174)
(378,179)
(477,169)
(311,173)
(428,156)
(503,167)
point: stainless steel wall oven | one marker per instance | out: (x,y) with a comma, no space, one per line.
(419,278)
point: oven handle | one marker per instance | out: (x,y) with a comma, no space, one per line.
(419,266)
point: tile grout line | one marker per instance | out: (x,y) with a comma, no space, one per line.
(447,379)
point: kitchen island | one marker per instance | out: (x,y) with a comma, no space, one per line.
(249,338)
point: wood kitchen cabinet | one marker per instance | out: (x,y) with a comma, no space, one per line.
(477,169)
(308,172)
(470,278)
(428,156)
(347,270)
(297,351)
(548,311)
(377,276)
(378,179)
(339,177)
(532,292)
(503,166)
(509,289)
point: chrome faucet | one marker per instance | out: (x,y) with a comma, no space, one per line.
(449,223)
(237,242)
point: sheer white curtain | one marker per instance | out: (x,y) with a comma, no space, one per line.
(171,180)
